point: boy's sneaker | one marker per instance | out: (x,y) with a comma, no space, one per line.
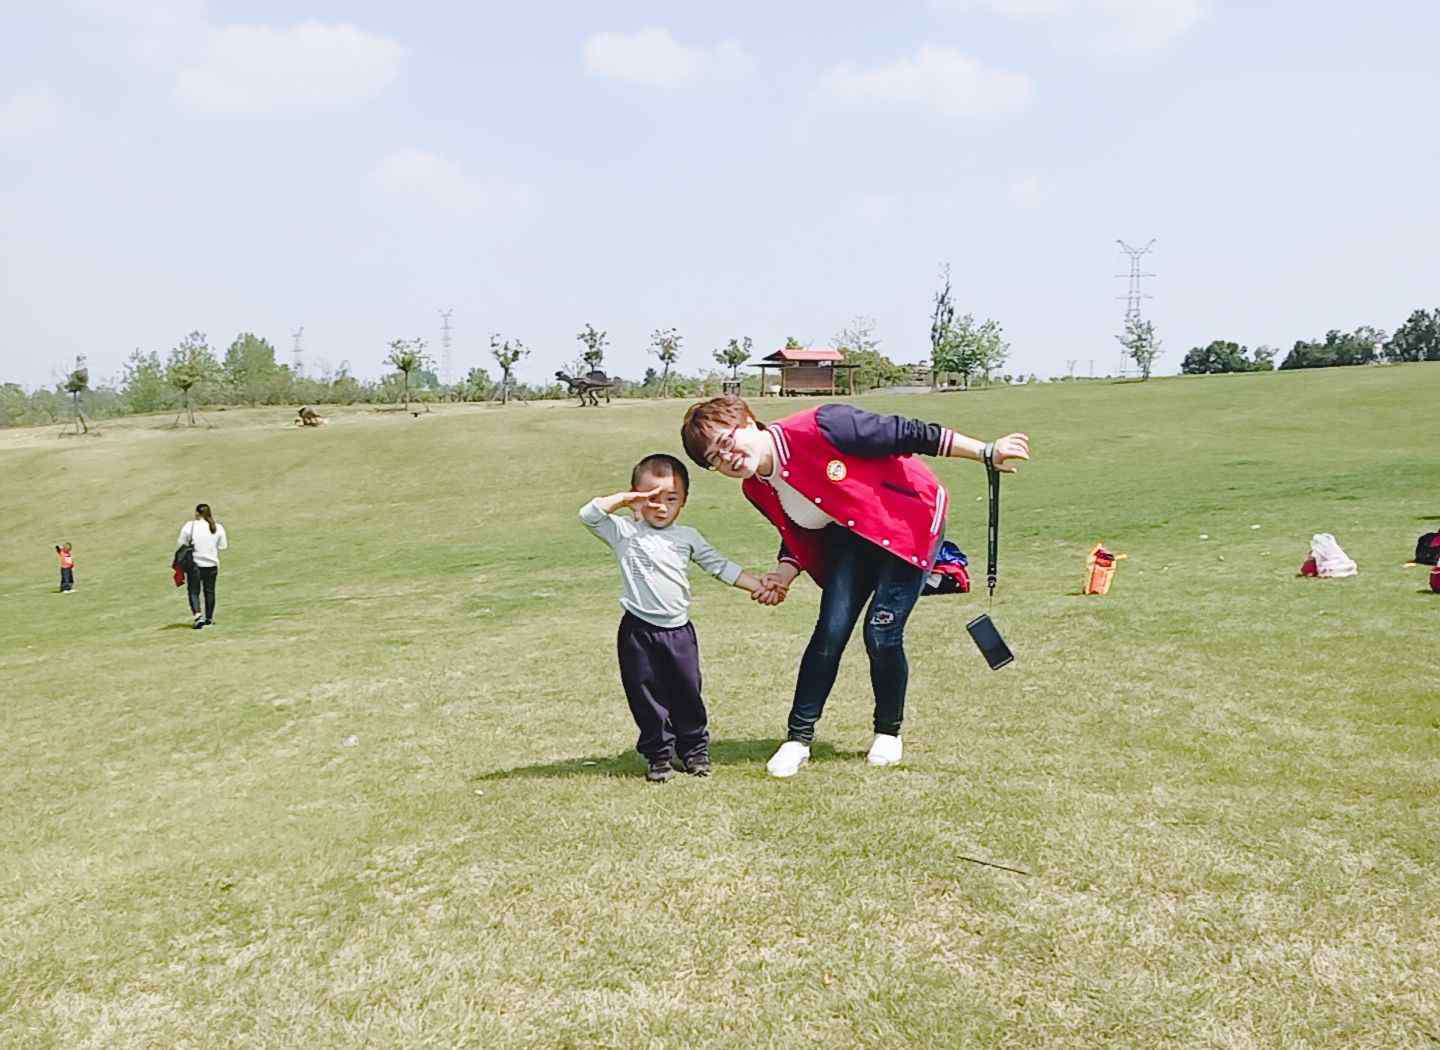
(659,771)
(787,761)
(199,622)
(885,751)
(696,765)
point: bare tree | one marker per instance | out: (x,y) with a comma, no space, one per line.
(665,344)
(406,356)
(190,364)
(77,383)
(1140,344)
(506,354)
(594,343)
(734,354)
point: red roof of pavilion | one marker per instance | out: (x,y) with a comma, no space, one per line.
(806,353)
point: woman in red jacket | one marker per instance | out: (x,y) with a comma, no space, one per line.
(861,516)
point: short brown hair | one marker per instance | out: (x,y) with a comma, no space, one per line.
(719,413)
(660,465)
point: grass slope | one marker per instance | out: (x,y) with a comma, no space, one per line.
(1221,778)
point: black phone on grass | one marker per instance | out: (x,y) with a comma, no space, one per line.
(997,654)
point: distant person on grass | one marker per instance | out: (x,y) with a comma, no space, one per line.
(857,513)
(67,569)
(659,653)
(208,539)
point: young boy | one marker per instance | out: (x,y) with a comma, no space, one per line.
(659,654)
(67,569)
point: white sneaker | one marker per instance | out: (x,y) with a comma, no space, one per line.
(885,751)
(787,761)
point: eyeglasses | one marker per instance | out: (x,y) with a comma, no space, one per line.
(724,443)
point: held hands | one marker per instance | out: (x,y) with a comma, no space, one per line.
(1011,446)
(774,586)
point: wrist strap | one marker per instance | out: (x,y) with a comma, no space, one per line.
(992,562)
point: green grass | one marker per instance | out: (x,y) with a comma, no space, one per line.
(1222,779)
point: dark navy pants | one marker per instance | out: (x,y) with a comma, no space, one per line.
(660,668)
(857,571)
(67,579)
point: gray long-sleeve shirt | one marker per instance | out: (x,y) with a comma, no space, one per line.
(654,564)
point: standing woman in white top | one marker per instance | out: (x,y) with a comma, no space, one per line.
(208,539)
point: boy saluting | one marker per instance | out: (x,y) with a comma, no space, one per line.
(659,653)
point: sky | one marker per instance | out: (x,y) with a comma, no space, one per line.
(740,169)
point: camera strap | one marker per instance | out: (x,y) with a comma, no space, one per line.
(992,561)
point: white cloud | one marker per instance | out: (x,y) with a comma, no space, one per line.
(655,58)
(30,111)
(1104,26)
(257,69)
(439,185)
(1029,191)
(937,78)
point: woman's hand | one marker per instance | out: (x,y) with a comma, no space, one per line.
(775,584)
(769,592)
(1011,446)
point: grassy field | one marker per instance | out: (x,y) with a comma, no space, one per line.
(1221,779)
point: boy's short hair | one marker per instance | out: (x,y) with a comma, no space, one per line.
(661,465)
(719,413)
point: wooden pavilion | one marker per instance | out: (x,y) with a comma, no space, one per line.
(807,370)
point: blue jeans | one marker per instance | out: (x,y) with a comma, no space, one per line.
(857,571)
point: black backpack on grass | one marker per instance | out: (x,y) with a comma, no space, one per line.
(1427,549)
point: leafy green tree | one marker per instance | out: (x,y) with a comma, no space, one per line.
(144,387)
(13,404)
(1140,344)
(1338,348)
(477,386)
(734,354)
(665,344)
(971,348)
(249,369)
(191,364)
(594,343)
(857,341)
(407,356)
(1221,355)
(507,354)
(1418,339)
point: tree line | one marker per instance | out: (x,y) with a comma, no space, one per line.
(193,375)
(1418,339)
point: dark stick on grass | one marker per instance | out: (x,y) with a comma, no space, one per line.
(992,864)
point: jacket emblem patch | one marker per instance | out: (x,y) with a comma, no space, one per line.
(835,470)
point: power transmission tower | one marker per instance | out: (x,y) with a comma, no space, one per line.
(298,353)
(1070,368)
(1134,295)
(447,363)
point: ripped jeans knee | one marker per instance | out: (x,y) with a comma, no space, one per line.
(884,630)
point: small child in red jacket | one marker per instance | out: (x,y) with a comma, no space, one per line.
(67,569)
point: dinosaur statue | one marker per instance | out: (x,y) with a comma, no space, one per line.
(586,387)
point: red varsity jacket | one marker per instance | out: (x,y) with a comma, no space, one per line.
(859,470)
